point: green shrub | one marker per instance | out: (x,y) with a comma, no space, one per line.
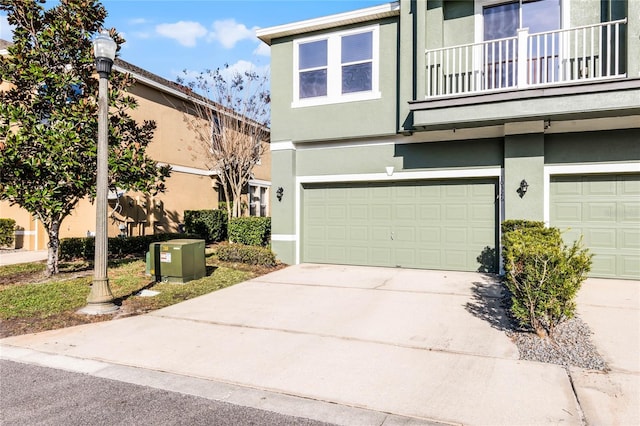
(543,276)
(119,247)
(211,225)
(251,231)
(513,224)
(76,248)
(222,205)
(246,254)
(7,231)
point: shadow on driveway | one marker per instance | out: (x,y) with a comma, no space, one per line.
(489,302)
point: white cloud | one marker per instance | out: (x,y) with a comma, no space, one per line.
(6,30)
(262,50)
(138,21)
(184,32)
(228,32)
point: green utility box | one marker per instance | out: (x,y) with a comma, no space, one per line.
(176,261)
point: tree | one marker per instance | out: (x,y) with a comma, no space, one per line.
(48,116)
(231,122)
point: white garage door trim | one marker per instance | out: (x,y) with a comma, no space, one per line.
(496,172)
(582,169)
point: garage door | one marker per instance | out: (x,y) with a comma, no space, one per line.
(422,224)
(605,209)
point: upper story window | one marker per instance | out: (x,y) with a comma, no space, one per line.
(313,69)
(501,22)
(357,62)
(504,19)
(336,67)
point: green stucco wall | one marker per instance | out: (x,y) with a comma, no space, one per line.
(403,157)
(283,164)
(283,174)
(524,159)
(451,154)
(593,147)
(584,12)
(347,120)
(285,251)
(449,23)
(364,159)
(434,19)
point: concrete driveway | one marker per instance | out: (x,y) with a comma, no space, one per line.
(392,346)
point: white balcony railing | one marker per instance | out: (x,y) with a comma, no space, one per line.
(587,53)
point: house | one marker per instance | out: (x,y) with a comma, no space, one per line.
(191,185)
(404,134)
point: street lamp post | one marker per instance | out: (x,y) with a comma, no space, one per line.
(100,299)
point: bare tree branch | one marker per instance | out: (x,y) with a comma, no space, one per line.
(230,116)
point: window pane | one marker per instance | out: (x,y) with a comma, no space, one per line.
(313,54)
(356,78)
(313,83)
(540,16)
(544,62)
(263,201)
(501,21)
(357,47)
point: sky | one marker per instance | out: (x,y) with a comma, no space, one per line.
(167,37)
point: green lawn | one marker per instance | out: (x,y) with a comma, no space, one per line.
(29,302)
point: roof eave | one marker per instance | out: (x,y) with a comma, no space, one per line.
(327,22)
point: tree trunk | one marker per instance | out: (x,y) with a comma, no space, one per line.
(53,246)
(224,184)
(541,332)
(237,200)
(538,327)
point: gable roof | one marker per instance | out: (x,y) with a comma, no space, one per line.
(148,78)
(328,22)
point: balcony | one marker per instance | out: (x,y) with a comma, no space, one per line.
(578,55)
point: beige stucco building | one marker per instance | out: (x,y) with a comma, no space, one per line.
(191,185)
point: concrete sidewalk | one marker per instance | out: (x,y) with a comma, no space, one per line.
(356,345)
(12,257)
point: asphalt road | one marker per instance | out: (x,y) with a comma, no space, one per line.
(33,395)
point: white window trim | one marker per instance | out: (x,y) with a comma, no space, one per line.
(282,146)
(334,65)
(260,184)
